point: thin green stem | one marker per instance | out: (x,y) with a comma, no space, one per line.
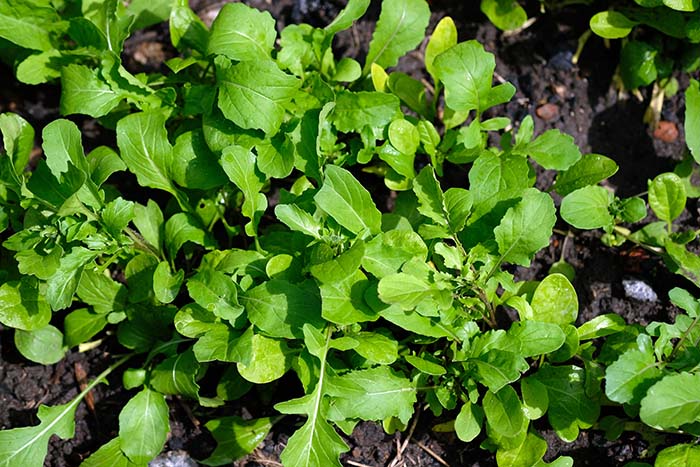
(683,338)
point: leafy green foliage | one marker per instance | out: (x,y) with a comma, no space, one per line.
(303,230)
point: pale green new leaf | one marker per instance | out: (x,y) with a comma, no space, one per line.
(680,455)
(270,360)
(468,422)
(611,24)
(555,301)
(242,33)
(553,150)
(400,28)
(27,446)
(526,228)
(143,426)
(217,293)
(253,94)
(298,220)
(672,402)
(372,394)
(444,36)
(348,202)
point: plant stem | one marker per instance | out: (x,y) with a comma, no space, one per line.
(683,338)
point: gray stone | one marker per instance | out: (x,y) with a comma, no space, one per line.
(173,459)
(639,290)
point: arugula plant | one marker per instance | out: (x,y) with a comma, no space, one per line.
(591,206)
(267,256)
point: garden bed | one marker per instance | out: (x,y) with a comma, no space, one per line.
(576,99)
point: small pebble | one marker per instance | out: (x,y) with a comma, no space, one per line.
(547,111)
(666,131)
(173,459)
(639,290)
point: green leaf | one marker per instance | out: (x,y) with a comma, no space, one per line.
(354,111)
(405,290)
(298,220)
(387,252)
(537,338)
(27,446)
(253,94)
(116,216)
(82,325)
(64,282)
(611,24)
(373,394)
(28,24)
(21,305)
(569,406)
(506,15)
(242,33)
(497,368)
(587,208)
(182,228)
(377,348)
(692,118)
(682,5)
(348,202)
(680,455)
(276,156)
(281,308)
(217,293)
(504,412)
(236,437)
(343,302)
(239,165)
(347,16)
(18,142)
(103,162)
(43,345)
(400,28)
(177,375)
(467,71)
(667,196)
(535,398)
(53,191)
(444,36)
(62,146)
(431,202)
(340,267)
(143,426)
(527,454)
(493,179)
(468,422)
(526,228)
(404,136)
(166,285)
(144,146)
(316,443)
(637,64)
(555,300)
(84,92)
(270,360)
(223,344)
(187,29)
(672,402)
(553,150)
(601,325)
(426,366)
(194,164)
(629,377)
(109,455)
(149,220)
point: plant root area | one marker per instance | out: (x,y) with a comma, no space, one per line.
(579,99)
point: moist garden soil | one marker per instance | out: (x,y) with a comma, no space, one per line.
(580,100)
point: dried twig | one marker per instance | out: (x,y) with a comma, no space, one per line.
(400,449)
(432,454)
(357,464)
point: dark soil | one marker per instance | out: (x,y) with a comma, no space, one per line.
(578,99)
